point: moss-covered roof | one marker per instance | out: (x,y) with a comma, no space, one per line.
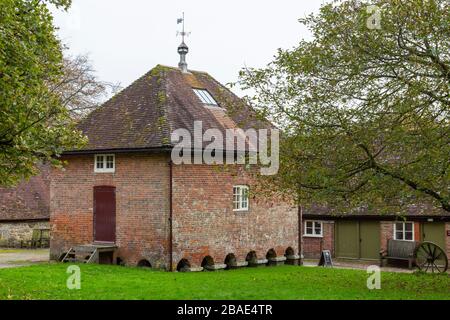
(144,114)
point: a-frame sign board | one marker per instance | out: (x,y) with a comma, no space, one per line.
(325,259)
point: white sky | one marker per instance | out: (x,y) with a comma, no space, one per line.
(126,38)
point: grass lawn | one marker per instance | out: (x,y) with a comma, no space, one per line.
(48,281)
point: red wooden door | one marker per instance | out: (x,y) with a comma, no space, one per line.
(105,214)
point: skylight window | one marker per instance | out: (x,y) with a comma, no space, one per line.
(205,97)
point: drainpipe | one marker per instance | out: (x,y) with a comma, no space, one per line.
(300,235)
(170,217)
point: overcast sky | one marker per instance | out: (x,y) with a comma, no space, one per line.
(126,38)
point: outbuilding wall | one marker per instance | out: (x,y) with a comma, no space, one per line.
(312,246)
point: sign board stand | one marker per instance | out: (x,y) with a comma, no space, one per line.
(325,259)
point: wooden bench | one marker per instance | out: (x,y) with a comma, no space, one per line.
(39,239)
(399,250)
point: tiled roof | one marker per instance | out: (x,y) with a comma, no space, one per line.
(29,200)
(144,114)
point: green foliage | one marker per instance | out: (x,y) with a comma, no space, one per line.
(364,110)
(287,282)
(34,124)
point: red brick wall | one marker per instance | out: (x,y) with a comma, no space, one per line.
(205,223)
(203,220)
(313,246)
(142,206)
(386,233)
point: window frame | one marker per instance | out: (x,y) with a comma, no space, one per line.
(404,230)
(205,97)
(314,234)
(104,161)
(241,187)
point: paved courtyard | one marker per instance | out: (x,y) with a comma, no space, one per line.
(358,264)
(21,257)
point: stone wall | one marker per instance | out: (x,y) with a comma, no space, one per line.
(12,233)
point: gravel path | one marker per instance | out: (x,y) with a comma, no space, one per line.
(344,264)
(10,258)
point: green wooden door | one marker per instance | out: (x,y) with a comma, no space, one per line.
(347,239)
(434,232)
(370,239)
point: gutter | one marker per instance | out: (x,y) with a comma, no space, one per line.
(24,220)
(300,235)
(164,149)
(119,150)
(434,218)
(170,216)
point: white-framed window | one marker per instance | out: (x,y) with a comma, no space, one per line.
(240,198)
(104,163)
(404,231)
(205,97)
(313,228)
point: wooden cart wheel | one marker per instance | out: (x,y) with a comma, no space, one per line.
(430,257)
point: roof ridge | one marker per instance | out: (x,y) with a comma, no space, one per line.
(178,69)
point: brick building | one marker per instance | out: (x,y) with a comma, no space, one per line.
(123,192)
(362,235)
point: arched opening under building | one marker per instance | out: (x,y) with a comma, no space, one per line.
(289,252)
(230,261)
(251,257)
(207,261)
(144,264)
(271,254)
(183,265)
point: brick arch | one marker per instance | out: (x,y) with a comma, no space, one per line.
(289,251)
(183,264)
(144,263)
(271,253)
(230,260)
(251,255)
(207,260)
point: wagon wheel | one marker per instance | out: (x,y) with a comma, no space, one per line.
(430,257)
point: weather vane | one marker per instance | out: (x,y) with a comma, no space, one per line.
(182,33)
(183,48)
